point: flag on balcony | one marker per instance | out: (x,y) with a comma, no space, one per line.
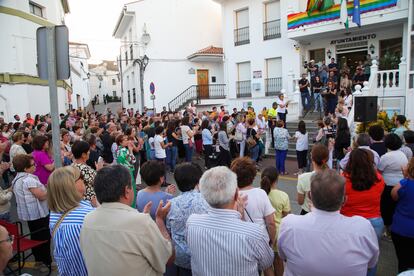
(319,5)
(356,14)
(344,13)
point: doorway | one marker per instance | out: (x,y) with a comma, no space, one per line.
(352,59)
(202,82)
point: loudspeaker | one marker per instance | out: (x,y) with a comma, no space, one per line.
(365,109)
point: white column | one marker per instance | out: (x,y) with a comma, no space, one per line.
(402,68)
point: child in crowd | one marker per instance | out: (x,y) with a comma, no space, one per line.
(302,146)
(280,201)
(153,174)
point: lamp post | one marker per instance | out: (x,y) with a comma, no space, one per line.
(142,63)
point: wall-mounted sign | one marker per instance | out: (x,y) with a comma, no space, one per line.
(257,74)
(191,71)
(354,38)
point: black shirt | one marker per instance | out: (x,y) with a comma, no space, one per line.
(317,87)
(304,82)
(171,138)
(359,78)
(333,65)
(379,148)
(107,141)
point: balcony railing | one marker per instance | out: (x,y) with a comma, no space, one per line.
(244,89)
(241,36)
(271,29)
(273,86)
(197,93)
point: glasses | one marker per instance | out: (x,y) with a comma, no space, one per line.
(9,239)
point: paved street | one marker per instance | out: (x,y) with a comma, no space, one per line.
(387,264)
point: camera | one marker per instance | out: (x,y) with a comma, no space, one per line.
(305,64)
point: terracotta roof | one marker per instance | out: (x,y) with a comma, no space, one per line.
(210,50)
(110,65)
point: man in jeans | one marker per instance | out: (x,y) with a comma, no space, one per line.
(304,92)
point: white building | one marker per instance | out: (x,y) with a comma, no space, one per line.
(266,45)
(182,40)
(79,75)
(21,90)
(105,80)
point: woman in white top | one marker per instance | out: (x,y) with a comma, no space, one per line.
(259,210)
(348,98)
(281,107)
(188,138)
(302,146)
(16,148)
(390,166)
(241,131)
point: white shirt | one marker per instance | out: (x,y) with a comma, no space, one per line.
(259,206)
(15,150)
(348,100)
(261,124)
(184,130)
(159,151)
(279,102)
(390,165)
(302,141)
(327,243)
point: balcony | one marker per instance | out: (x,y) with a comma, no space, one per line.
(318,24)
(273,86)
(243,89)
(241,36)
(271,29)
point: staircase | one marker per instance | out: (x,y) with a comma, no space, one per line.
(197,93)
(311,127)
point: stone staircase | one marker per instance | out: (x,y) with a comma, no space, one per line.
(311,127)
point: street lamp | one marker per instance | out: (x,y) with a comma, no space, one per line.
(142,63)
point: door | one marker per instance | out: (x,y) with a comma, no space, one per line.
(202,82)
(352,59)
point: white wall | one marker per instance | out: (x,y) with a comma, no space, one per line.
(18,56)
(257,51)
(191,26)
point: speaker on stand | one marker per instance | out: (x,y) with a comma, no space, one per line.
(365,109)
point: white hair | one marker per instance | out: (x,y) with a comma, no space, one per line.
(218,186)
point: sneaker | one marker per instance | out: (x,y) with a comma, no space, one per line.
(41,267)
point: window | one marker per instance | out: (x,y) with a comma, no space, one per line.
(273,82)
(113,81)
(243,85)
(134,96)
(131,52)
(129,97)
(412,54)
(36,9)
(114,93)
(318,55)
(126,57)
(390,53)
(271,24)
(241,32)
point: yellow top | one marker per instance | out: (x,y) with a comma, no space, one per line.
(280,201)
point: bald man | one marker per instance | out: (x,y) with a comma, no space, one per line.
(324,242)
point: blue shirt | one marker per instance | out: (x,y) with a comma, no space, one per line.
(182,207)
(207,137)
(403,221)
(222,244)
(144,197)
(67,253)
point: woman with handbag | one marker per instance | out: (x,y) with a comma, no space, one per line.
(65,191)
(252,139)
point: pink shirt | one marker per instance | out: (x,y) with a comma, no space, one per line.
(41,159)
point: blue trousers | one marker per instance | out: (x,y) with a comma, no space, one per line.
(280,160)
(305,100)
(378,225)
(188,153)
(254,153)
(171,157)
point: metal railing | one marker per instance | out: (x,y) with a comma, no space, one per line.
(241,36)
(271,29)
(243,89)
(273,86)
(197,93)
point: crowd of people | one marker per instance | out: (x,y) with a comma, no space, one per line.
(328,88)
(110,210)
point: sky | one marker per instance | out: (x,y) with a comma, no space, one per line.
(92,22)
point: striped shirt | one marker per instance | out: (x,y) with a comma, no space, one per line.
(67,252)
(222,244)
(28,206)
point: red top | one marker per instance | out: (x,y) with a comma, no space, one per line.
(363,203)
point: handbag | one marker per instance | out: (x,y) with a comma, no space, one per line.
(251,142)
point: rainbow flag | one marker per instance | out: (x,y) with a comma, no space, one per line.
(296,20)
